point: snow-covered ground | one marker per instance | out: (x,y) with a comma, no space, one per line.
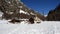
(45,27)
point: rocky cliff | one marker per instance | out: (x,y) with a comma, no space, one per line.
(54,15)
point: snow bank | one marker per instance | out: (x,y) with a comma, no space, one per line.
(46,27)
(3,22)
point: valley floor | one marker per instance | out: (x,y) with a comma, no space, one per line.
(45,27)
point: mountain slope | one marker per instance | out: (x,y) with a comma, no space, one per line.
(54,15)
(10,7)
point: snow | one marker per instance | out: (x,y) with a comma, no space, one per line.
(32,13)
(45,15)
(45,27)
(24,19)
(1,13)
(24,22)
(21,11)
(4,22)
(9,2)
(20,6)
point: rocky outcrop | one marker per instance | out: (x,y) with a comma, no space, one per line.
(11,10)
(12,7)
(54,15)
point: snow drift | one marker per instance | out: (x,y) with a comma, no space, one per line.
(45,27)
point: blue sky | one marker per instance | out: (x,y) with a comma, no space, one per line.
(41,5)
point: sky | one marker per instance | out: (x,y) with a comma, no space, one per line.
(41,6)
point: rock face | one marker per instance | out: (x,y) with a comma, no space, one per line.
(54,15)
(11,10)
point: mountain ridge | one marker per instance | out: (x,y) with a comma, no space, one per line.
(15,9)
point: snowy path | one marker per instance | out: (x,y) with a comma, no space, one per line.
(42,28)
